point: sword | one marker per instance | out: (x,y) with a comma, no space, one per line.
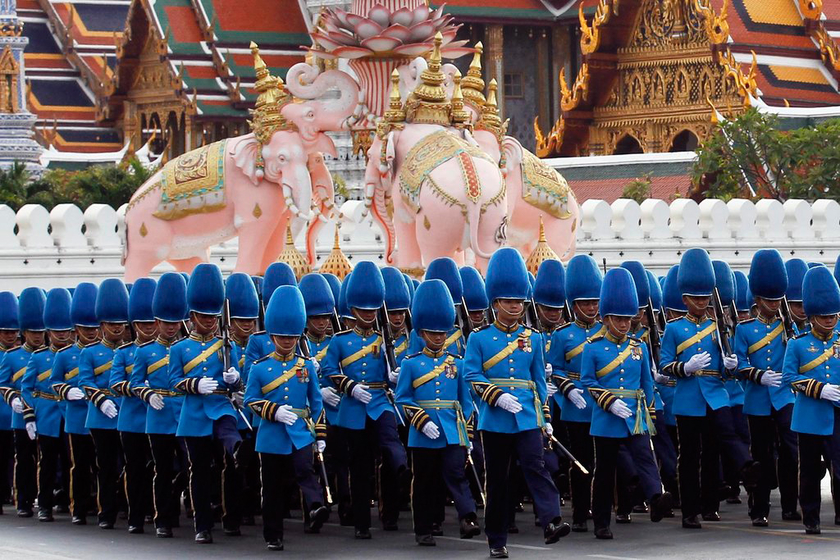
(474,472)
(568,454)
(324,476)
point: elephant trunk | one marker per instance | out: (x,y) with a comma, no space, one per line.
(324,208)
(298,199)
(386,223)
(305,82)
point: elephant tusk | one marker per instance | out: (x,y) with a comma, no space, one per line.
(322,218)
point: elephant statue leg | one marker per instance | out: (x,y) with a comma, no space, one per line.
(187,265)
(253,236)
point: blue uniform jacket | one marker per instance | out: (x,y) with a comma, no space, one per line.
(810,363)
(760,346)
(150,375)
(38,393)
(65,375)
(432,388)
(94,375)
(501,360)
(12,369)
(564,355)
(132,410)
(318,351)
(5,409)
(275,381)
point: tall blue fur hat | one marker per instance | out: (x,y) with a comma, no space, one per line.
(768,275)
(507,277)
(206,290)
(820,293)
(813,264)
(258,285)
(366,289)
(796,269)
(286,312)
(317,295)
(416,283)
(112,301)
(696,276)
(31,309)
(724,281)
(57,310)
(140,300)
(445,269)
(655,291)
(640,279)
(475,295)
(433,309)
(743,295)
(550,286)
(583,278)
(170,300)
(9,312)
(343,310)
(242,296)
(410,285)
(397,296)
(335,285)
(83,307)
(671,294)
(277,274)
(837,269)
(619,295)
(532,280)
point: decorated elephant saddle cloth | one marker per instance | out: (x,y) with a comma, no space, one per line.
(544,188)
(193,183)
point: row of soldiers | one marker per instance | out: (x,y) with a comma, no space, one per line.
(460,386)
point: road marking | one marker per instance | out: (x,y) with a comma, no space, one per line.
(484,543)
(795,533)
(608,557)
(29,553)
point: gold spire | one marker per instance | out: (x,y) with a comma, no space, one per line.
(459,115)
(490,119)
(542,252)
(472,84)
(292,257)
(272,96)
(337,263)
(395,112)
(427,103)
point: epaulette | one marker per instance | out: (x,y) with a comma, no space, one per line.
(345,331)
(800,335)
(60,349)
(264,358)
(674,320)
(634,338)
(566,326)
(596,339)
(750,320)
(412,355)
(126,345)
(456,356)
(479,329)
(92,344)
(258,332)
(41,349)
(146,343)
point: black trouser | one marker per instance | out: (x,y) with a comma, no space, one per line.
(107,444)
(81,458)
(708,433)
(233,482)
(277,472)
(138,476)
(170,478)
(434,471)
(7,457)
(246,465)
(811,469)
(48,450)
(772,440)
(731,473)
(582,447)
(25,461)
(337,459)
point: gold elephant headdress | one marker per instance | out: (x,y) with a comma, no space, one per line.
(266,117)
(427,103)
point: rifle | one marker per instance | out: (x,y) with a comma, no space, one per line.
(790,328)
(654,337)
(604,262)
(721,324)
(323,470)
(567,315)
(261,311)
(227,347)
(384,326)
(532,320)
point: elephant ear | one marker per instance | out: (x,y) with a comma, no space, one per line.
(512,153)
(323,144)
(244,152)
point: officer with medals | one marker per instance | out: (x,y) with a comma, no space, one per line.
(796,269)
(691,353)
(356,364)
(397,300)
(149,380)
(66,383)
(505,367)
(615,369)
(9,335)
(196,369)
(259,344)
(812,368)
(435,401)
(475,297)
(12,369)
(583,288)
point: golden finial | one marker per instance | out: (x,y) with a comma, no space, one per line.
(337,263)
(427,103)
(395,112)
(473,85)
(541,253)
(293,257)
(490,119)
(459,115)
(267,117)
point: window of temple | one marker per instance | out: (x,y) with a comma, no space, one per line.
(628,145)
(685,141)
(513,85)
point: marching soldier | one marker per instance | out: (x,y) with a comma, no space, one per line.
(744,301)
(259,344)
(9,336)
(796,269)
(445,269)
(283,390)
(674,309)
(475,297)
(397,300)
(504,365)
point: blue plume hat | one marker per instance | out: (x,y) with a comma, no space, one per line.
(83,306)
(796,269)
(397,296)
(619,294)
(31,309)
(335,285)
(697,275)
(743,295)
(277,274)
(170,299)
(445,269)
(317,295)
(9,312)
(507,277)
(433,309)
(640,279)
(366,289)
(343,310)
(583,278)
(242,296)
(410,285)
(550,285)
(140,300)
(475,295)
(57,310)
(671,293)
(112,301)
(286,312)
(206,290)
(768,275)
(655,291)
(724,281)
(820,293)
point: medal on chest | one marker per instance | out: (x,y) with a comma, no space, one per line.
(302,374)
(524,343)
(450,371)
(635,351)
(836,350)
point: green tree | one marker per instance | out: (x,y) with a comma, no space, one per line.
(639,189)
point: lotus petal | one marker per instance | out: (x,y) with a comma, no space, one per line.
(322,54)
(330,25)
(421,13)
(403,16)
(352,52)
(355,19)
(422,31)
(398,31)
(381,15)
(324,41)
(448,36)
(441,22)
(342,38)
(368,28)
(437,13)
(342,17)
(414,49)
(381,43)
(456,52)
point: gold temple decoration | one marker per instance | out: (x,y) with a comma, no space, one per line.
(292,257)
(395,112)
(460,117)
(9,86)
(472,85)
(428,103)
(745,83)
(815,26)
(811,9)
(336,263)
(490,119)
(571,98)
(542,252)
(590,35)
(266,115)
(717,26)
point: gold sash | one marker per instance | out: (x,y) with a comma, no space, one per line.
(697,337)
(767,339)
(45,375)
(452,338)
(618,360)
(103,368)
(423,379)
(71,374)
(819,360)
(402,346)
(18,374)
(579,348)
(129,368)
(506,351)
(322,352)
(189,366)
(267,388)
(157,365)
(359,354)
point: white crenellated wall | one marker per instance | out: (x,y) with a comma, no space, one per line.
(67,245)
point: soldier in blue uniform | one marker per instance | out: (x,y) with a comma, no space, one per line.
(445,269)
(95,364)
(691,354)
(616,370)
(12,368)
(674,309)
(760,345)
(65,382)
(259,344)
(131,419)
(796,269)
(583,288)
(812,368)
(435,401)
(475,298)
(505,367)
(355,363)
(398,301)
(9,339)
(149,380)
(744,301)
(283,390)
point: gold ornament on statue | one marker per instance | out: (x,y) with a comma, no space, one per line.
(292,257)
(472,85)
(266,117)
(541,253)
(427,103)
(337,263)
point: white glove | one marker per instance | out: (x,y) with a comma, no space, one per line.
(31,430)
(75,394)
(285,415)
(317,365)
(207,385)
(361,393)
(108,408)
(320,445)
(576,396)
(17,405)
(548,371)
(430,430)
(697,362)
(393,375)
(830,392)
(509,402)
(239,398)
(661,379)
(330,396)
(771,379)
(231,376)
(551,388)
(730,362)
(549,429)
(156,402)
(620,409)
